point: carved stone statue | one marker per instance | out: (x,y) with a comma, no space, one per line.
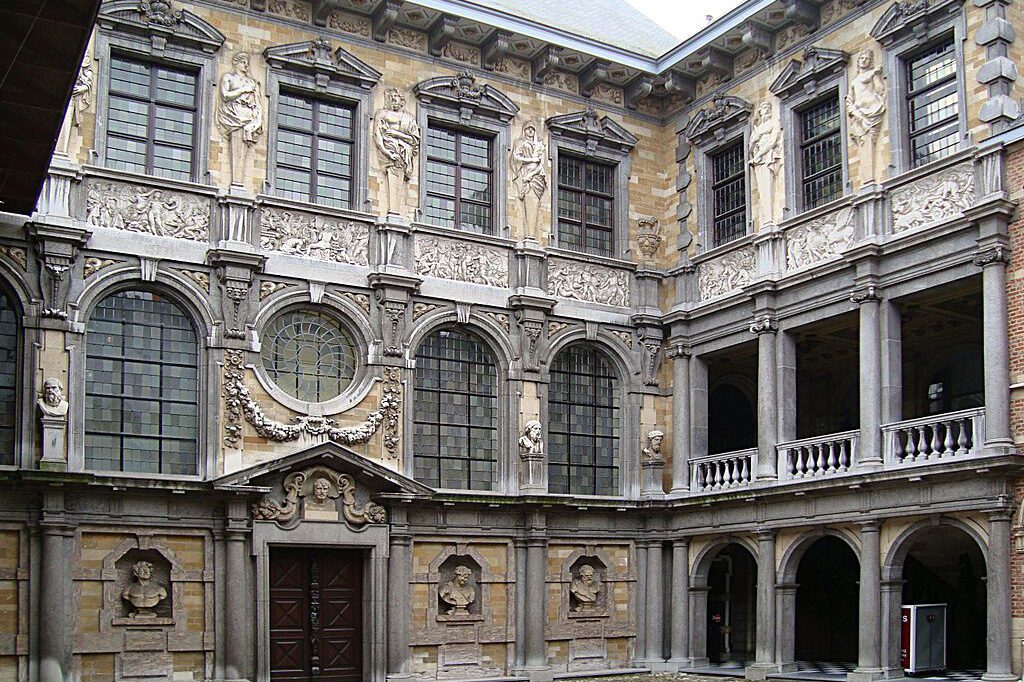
(144,594)
(79,103)
(528,155)
(585,587)
(52,403)
(321,499)
(240,115)
(531,442)
(652,453)
(457,593)
(865,107)
(766,161)
(397,137)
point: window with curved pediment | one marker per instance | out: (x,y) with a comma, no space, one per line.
(141,386)
(583,423)
(455,412)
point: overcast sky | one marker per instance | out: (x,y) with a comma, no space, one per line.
(683,18)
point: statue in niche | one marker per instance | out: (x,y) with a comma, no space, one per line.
(585,588)
(865,107)
(240,115)
(766,160)
(52,403)
(397,137)
(79,103)
(652,453)
(531,442)
(144,594)
(528,154)
(457,594)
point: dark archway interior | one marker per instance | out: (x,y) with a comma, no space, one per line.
(732,419)
(827,373)
(827,602)
(731,614)
(944,565)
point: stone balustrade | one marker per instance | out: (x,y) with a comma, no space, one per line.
(937,437)
(827,455)
(723,471)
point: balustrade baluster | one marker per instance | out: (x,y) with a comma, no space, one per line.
(936,444)
(898,451)
(844,456)
(819,460)
(732,473)
(830,462)
(947,444)
(962,440)
(745,470)
(911,445)
(922,443)
(718,475)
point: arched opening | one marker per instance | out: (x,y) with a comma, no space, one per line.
(827,598)
(732,419)
(944,565)
(731,615)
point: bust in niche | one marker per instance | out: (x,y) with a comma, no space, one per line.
(144,594)
(319,502)
(585,589)
(52,403)
(457,594)
(652,453)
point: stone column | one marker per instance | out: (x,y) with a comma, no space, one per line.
(54,594)
(398,601)
(767,387)
(892,599)
(237,649)
(679,636)
(655,608)
(869,662)
(892,363)
(534,655)
(681,431)
(785,350)
(698,406)
(993,262)
(997,585)
(699,625)
(870,447)
(764,661)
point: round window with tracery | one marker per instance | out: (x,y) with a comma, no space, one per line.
(308,355)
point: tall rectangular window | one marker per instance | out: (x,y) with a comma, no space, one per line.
(460,180)
(314,150)
(729,194)
(151,118)
(585,206)
(933,103)
(821,152)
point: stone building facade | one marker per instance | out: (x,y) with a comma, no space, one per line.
(382,340)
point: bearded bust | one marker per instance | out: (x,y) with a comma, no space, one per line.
(52,403)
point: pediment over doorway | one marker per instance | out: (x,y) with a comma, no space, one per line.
(327,482)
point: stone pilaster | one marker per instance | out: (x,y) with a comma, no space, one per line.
(238,597)
(868,301)
(55,592)
(993,260)
(998,666)
(654,656)
(765,327)
(399,596)
(534,644)
(679,635)
(681,428)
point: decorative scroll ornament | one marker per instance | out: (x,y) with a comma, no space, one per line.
(764,324)
(308,487)
(587,282)
(310,236)
(650,344)
(16,254)
(725,273)
(158,18)
(819,240)
(711,123)
(464,94)
(648,237)
(92,265)
(532,331)
(148,211)
(462,261)
(240,404)
(933,198)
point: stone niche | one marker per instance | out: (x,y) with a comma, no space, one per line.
(587,591)
(159,583)
(459,594)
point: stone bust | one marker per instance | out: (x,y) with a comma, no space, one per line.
(531,442)
(321,497)
(652,453)
(144,594)
(457,594)
(52,403)
(585,588)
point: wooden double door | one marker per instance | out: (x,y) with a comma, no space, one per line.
(316,615)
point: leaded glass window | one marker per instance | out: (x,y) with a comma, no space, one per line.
(821,152)
(8,378)
(729,194)
(460,183)
(141,386)
(151,118)
(314,150)
(933,103)
(583,426)
(308,355)
(586,198)
(455,412)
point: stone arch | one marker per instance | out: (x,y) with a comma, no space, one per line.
(621,357)
(358,320)
(700,591)
(790,562)
(892,566)
(16,286)
(487,330)
(701,563)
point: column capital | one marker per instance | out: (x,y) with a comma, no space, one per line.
(869,293)
(677,351)
(764,324)
(870,526)
(997,254)
(999,515)
(681,542)
(765,534)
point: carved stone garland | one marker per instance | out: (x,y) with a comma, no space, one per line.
(239,403)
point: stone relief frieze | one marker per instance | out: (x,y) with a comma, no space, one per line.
(315,492)
(462,261)
(820,239)
(159,212)
(725,273)
(350,23)
(588,282)
(311,236)
(937,197)
(239,405)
